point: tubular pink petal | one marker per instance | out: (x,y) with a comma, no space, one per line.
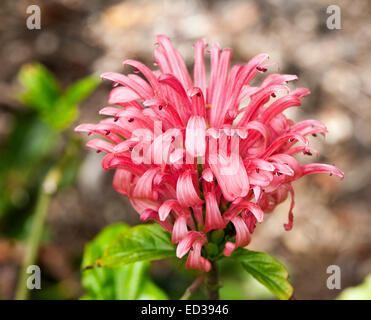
(280,141)
(109,111)
(176,62)
(307,123)
(207,175)
(100,145)
(94,128)
(186,192)
(122,181)
(183,106)
(110,161)
(124,146)
(288,226)
(85,127)
(287,160)
(250,221)
(186,244)
(146,89)
(277,79)
(257,193)
(127,82)
(166,208)
(150,214)
(195,142)
(244,77)
(213,219)
(229,248)
(121,95)
(199,71)
(243,236)
(214,62)
(198,102)
(180,229)
(278,106)
(218,98)
(195,260)
(258,99)
(283,169)
(261,164)
(111,127)
(144,185)
(235,210)
(146,72)
(321,168)
(232,177)
(142,204)
(300,92)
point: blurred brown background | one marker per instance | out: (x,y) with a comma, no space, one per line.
(77,38)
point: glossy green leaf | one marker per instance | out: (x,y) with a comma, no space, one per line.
(267,270)
(127,282)
(80,89)
(360,292)
(40,87)
(65,108)
(141,243)
(42,92)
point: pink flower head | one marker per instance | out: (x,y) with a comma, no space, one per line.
(191,155)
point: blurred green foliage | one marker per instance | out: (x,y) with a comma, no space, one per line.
(131,281)
(237,284)
(361,292)
(146,242)
(267,270)
(43,93)
(37,140)
(134,247)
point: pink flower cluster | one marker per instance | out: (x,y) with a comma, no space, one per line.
(215,162)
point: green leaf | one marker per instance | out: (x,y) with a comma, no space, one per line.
(361,292)
(80,89)
(151,292)
(65,108)
(127,282)
(266,270)
(24,157)
(141,243)
(40,87)
(42,92)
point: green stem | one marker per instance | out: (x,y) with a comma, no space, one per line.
(193,287)
(48,187)
(213,282)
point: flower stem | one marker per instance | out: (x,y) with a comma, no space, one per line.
(213,283)
(193,287)
(47,189)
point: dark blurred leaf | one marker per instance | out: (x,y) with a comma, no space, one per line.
(124,283)
(65,108)
(239,284)
(361,292)
(267,270)
(140,243)
(80,89)
(41,88)
(23,158)
(42,92)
